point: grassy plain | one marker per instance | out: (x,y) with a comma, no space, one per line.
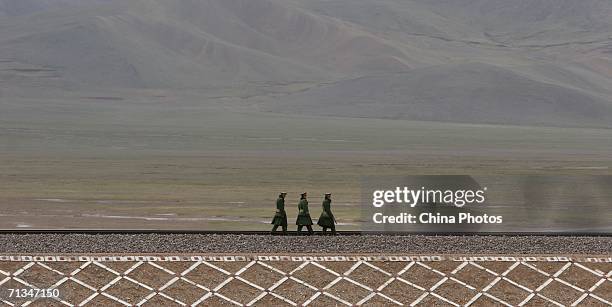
(112,164)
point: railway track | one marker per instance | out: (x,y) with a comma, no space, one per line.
(294,233)
(155,241)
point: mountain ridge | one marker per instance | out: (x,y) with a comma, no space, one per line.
(418,60)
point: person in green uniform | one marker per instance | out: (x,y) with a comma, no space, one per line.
(327,219)
(303,218)
(280,217)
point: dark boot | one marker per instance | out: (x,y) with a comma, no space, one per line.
(310,231)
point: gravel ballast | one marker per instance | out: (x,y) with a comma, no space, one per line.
(378,244)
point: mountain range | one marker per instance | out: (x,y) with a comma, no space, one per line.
(520,62)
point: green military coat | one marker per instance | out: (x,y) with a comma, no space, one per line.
(326,219)
(280,217)
(303,218)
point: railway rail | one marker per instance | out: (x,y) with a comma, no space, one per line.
(294,233)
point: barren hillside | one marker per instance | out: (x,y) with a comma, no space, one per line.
(526,62)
